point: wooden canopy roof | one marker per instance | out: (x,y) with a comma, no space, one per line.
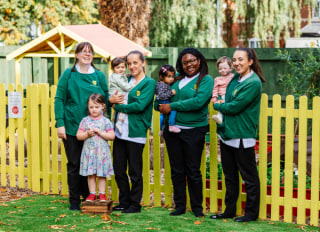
(61,41)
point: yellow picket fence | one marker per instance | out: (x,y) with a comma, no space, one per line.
(44,167)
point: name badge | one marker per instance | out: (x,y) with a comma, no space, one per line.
(138,93)
(195,86)
(94,82)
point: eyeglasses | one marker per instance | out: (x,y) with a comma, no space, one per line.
(86,52)
(189,62)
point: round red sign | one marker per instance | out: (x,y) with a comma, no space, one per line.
(15,110)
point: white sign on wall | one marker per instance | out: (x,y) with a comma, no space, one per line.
(15,105)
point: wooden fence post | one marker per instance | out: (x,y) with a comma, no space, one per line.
(303,109)
(263,140)
(20,133)
(12,138)
(3,134)
(289,158)
(45,137)
(156,158)
(54,145)
(35,156)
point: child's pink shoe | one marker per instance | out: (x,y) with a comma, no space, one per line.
(174,129)
(91,197)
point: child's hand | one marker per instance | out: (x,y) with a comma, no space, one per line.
(173,92)
(97,130)
(219,101)
(90,133)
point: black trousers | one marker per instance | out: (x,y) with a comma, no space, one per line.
(128,153)
(243,160)
(78,185)
(185,150)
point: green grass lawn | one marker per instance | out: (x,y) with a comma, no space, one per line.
(51,213)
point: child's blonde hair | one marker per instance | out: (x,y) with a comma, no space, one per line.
(224,59)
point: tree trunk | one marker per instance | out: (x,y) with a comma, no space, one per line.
(129,18)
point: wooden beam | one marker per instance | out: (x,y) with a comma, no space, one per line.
(53,47)
(62,43)
(70,47)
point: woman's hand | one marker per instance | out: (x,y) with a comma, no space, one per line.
(219,102)
(61,132)
(164,108)
(116,98)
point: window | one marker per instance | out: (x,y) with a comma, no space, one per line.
(316,10)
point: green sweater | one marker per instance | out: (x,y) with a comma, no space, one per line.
(73,90)
(139,107)
(192,104)
(241,109)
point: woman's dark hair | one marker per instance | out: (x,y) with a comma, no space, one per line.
(116,61)
(203,64)
(141,56)
(79,49)
(165,69)
(251,53)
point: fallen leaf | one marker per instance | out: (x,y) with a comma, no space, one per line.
(197,222)
(105,217)
(62,215)
(117,215)
(151,228)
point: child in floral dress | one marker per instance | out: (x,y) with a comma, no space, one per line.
(96,161)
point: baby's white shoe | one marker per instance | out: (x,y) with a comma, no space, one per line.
(217,119)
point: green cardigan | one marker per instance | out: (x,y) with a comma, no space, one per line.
(72,94)
(191,102)
(139,107)
(241,109)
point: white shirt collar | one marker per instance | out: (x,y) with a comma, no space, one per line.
(90,70)
(245,76)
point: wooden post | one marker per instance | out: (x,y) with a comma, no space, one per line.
(55,70)
(17,67)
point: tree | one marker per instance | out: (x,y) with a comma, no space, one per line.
(272,18)
(18,16)
(185,23)
(129,18)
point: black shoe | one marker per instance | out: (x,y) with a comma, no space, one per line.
(74,206)
(220,216)
(178,212)
(244,219)
(131,209)
(118,208)
(198,214)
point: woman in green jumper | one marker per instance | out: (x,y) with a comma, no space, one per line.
(128,145)
(193,88)
(237,134)
(75,85)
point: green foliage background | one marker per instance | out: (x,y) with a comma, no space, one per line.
(16,16)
